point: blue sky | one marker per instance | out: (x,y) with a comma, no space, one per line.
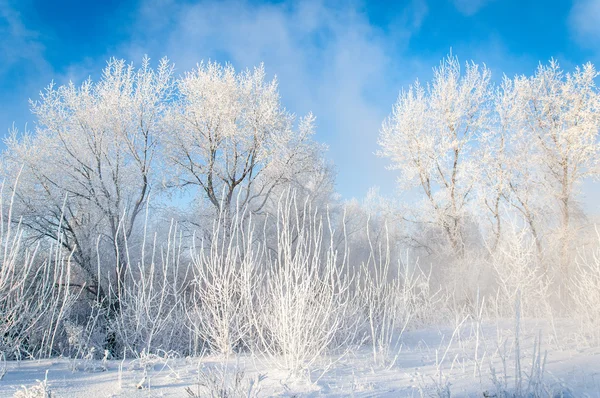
(344,61)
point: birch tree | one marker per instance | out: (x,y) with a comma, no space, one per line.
(89,165)
(509,179)
(508,162)
(232,139)
(429,137)
(559,120)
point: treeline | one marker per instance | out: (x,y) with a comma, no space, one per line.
(104,154)
(150,212)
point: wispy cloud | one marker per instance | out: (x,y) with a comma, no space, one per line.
(19,43)
(329,59)
(343,61)
(584,22)
(23,67)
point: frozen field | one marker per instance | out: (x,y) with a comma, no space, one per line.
(434,362)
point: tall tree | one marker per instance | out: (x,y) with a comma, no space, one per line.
(232,139)
(89,166)
(430,136)
(558,121)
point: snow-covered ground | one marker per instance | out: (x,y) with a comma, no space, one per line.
(460,361)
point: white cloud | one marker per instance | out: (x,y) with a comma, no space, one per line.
(329,59)
(23,68)
(18,43)
(584,22)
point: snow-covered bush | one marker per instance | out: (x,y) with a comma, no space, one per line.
(35,291)
(225,382)
(223,265)
(148,310)
(518,270)
(392,297)
(39,390)
(585,293)
(301,311)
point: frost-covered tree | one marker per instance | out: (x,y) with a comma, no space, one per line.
(509,179)
(232,139)
(430,136)
(88,167)
(491,159)
(557,125)
(507,167)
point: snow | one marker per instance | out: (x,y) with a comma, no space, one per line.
(431,362)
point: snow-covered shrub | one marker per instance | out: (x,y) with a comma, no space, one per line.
(148,310)
(585,293)
(392,300)
(150,365)
(35,291)
(518,271)
(521,380)
(82,354)
(225,382)
(301,310)
(39,390)
(222,266)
